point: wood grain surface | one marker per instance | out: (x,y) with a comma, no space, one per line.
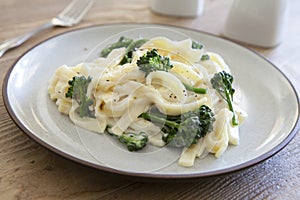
(29,171)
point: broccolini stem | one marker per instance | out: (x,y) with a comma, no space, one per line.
(135,44)
(159,120)
(122,42)
(195,89)
(229,102)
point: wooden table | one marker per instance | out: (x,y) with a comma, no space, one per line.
(29,171)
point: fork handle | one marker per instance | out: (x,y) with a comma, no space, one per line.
(17,41)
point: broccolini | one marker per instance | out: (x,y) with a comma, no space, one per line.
(185,129)
(197,90)
(130,45)
(205,57)
(133,46)
(152,61)
(77,91)
(122,42)
(222,82)
(134,141)
(197,45)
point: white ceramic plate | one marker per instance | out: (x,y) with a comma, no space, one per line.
(268,97)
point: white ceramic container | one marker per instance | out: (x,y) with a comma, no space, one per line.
(256,22)
(181,8)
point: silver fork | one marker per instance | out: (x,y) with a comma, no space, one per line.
(70,16)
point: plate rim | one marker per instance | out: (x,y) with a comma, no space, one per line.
(219,172)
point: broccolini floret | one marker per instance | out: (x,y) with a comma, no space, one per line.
(152,61)
(134,141)
(77,91)
(205,57)
(222,82)
(186,129)
(197,45)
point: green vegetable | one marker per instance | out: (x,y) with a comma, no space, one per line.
(127,58)
(205,57)
(134,141)
(183,130)
(122,42)
(196,45)
(133,46)
(136,44)
(77,90)
(152,61)
(222,82)
(195,89)
(130,45)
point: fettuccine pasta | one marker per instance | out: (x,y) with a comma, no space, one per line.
(120,93)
